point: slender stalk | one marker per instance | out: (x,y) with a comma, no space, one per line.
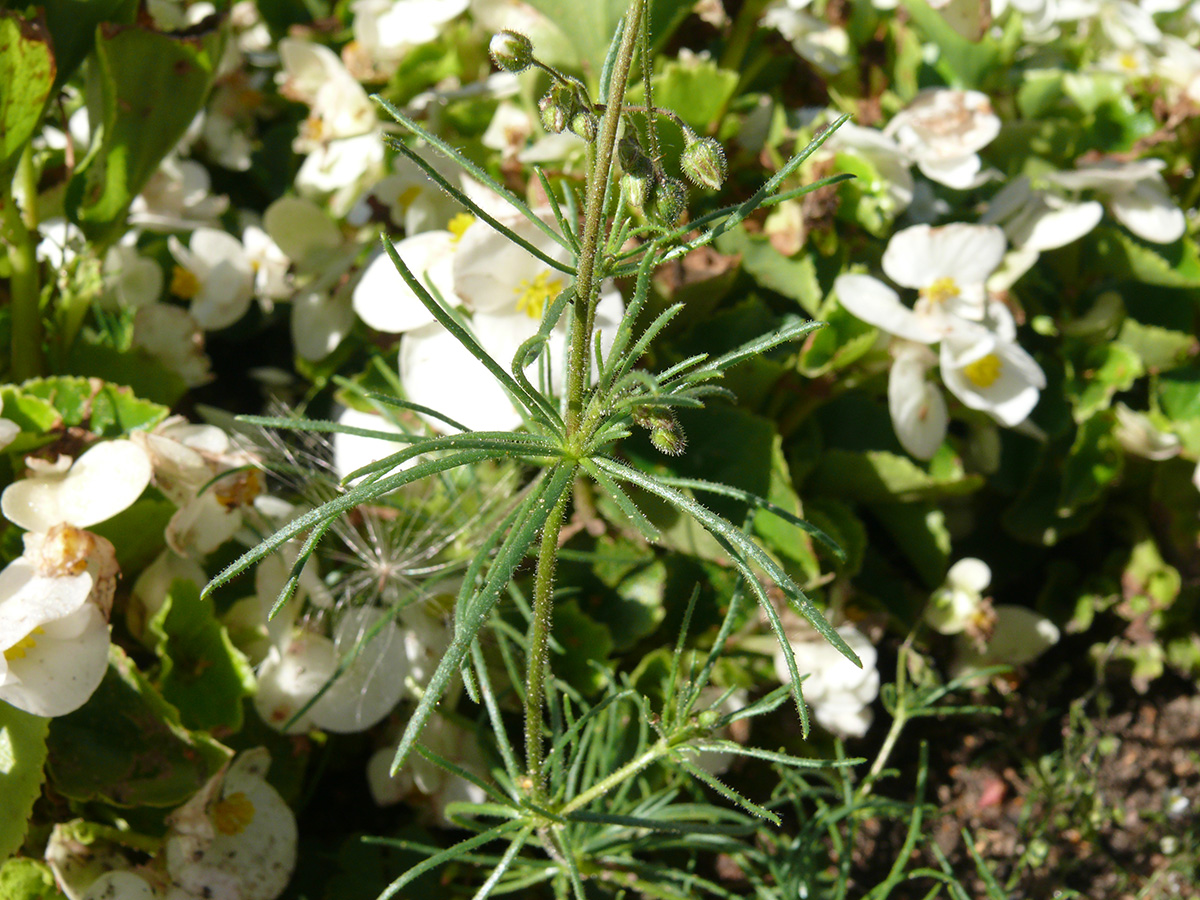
(588,279)
(539,649)
(21,236)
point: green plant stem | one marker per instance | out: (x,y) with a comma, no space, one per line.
(21,236)
(539,649)
(899,720)
(587,281)
(660,749)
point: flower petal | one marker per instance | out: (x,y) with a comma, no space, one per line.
(877,304)
(384,301)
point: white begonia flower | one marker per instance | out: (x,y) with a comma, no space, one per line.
(352,451)
(132,280)
(942,131)
(54,604)
(420,778)
(825,46)
(291,675)
(839,693)
(215,275)
(1135,193)
(60,243)
(1038,220)
(384,300)
(1179,66)
(188,462)
(270,265)
(388,29)
(236,837)
(170,335)
(948,266)
(959,605)
(120,885)
(178,197)
(1139,436)
(104,480)
(917,406)
(8,430)
(1018,636)
(509,130)
(987,370)
(412,200)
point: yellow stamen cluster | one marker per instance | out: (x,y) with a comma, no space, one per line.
(233,814)
(984,371)
(239,489)
(532,296)
(184,283)
(941,290)
(65,551)
(459,225)
(19,649)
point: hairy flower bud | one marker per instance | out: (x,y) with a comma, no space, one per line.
(511,51)
(556,108)
(583,123)
(665,433)
(703,162)
(670,201)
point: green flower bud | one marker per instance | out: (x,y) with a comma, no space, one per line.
(703,162)
(708,718)
(583,123)
(665,433)
(556,108)
(511,51)
(670,201)
(639,189)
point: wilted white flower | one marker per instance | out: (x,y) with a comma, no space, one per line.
(236,838)
(825,46)
(884,155)
(942,131)
(1018,636)
(1139,435)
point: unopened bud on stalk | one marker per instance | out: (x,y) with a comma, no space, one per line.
(584,124)
(665,433)
(670,201)
(556,108)
(703,162)
(511,51)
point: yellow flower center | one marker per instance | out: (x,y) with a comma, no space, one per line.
(233,814)
(941,290)
(532,296)
(984,371)
(408,195)
(18,650)
(184,283)
(459,225)
(1128,61)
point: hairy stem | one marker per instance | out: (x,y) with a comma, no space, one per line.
(587,281)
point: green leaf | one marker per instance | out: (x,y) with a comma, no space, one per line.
(697,90)
(28,879)
(919,530)
(1104,370)
(22,754)
(104,409)
(844,340)
(1094,462)
(1119,253)
(151,87)
(137,533)
(126,745)
(72,25)
(203,674)
(964,63)
(139,371)
(876,476)
(26,76)
(586,645)
(794,278)
(1158,348)
(1178,392)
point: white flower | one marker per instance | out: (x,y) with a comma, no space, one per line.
(410,198)
(1018,636)
(839,693)
(509,130)
(312,74)
(54,603)
(1139,436)
(825,46)
(131,279)
(884,155)
(236,838)
(60,243)
(215,275)
(269,262)
(948,266)
(104,480)
(170,335)
(8,430)
(420,778)
(352,451)
(292,673)
(917,406)
(388,29)
(150,590)
(1135,193)
(1038,220)
(958,605)
(942,130)
(987,370)
(178,197)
